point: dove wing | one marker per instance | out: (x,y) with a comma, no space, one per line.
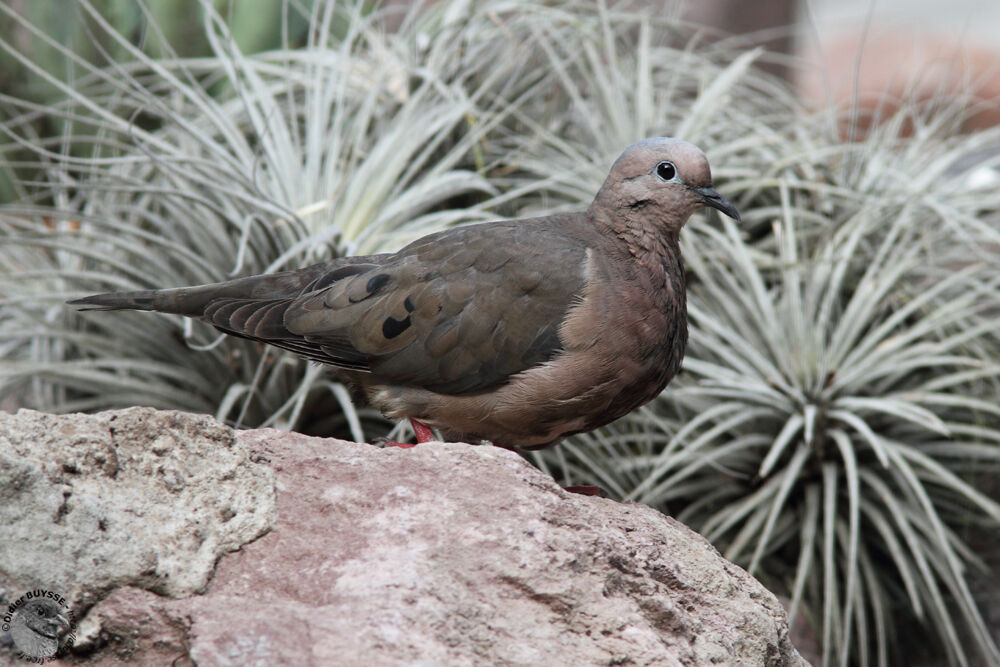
(455,312)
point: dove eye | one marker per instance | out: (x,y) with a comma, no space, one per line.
(666,170)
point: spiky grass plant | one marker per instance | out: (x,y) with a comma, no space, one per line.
(841,379)
(204,169)
(812,406)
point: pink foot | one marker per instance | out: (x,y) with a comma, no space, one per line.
(401,445)
(423,432)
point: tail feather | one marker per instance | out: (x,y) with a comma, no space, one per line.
(192,301)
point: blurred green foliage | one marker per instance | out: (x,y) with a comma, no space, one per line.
(154,27)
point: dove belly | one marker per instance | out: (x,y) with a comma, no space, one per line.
(533,409)
(527,421)
(595,380)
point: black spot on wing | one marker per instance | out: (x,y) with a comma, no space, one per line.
(377,282)
(393,327)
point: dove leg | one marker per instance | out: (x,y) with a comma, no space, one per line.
(422,431)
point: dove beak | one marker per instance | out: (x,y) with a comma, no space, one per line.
(709,197)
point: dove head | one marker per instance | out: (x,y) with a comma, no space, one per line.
(669,178)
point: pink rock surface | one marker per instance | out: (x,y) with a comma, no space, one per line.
(447,554)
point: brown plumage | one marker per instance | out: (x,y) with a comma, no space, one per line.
(518,332)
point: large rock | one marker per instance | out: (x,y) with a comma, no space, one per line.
(444,554)
(89,503)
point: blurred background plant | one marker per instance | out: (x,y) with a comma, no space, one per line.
(837,416)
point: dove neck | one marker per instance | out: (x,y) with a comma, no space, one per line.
(648,241)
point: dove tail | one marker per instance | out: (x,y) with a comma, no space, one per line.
(193,301)
(190,301)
